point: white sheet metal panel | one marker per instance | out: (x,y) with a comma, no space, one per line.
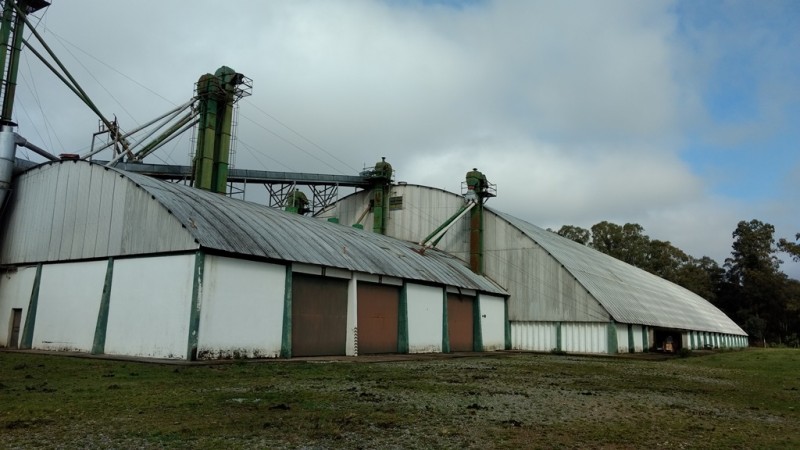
(493,322)
(242,309)
(150,306)
(425,316)
(534,336)
(71,210)
(66,315)
(15,292)
(622,338)
(579,337)
(638,339)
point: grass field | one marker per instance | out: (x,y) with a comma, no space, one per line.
(744,399)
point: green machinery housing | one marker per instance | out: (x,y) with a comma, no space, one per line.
(216,95)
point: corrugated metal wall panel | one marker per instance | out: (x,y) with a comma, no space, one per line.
(75,210)
(534,336)
(460,317)
(377,318)
(319,315)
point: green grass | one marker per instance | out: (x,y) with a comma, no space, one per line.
(745,399)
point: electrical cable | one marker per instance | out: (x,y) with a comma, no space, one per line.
(301,135)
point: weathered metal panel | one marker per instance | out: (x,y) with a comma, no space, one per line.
(75,210)
(460,318)
(242,309)
(377,318)
(425,318)
(150,305)
(15,293)
(534,336)
(59,207)
(67,312)
(493,322)
(579,337)
(319,315)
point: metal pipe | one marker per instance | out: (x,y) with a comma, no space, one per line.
(429,241)
(155,143)
(19,140)
(85,97)
(7,154)
(445,226)
(156,147)
(13,66)
(174,113)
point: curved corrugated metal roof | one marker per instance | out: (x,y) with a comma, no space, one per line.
(245,228)
(629,294)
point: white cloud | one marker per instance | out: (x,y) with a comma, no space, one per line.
(577,110)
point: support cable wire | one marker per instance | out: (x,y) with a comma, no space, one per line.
(301,136)
(141,85)
(36,97)
(74,86)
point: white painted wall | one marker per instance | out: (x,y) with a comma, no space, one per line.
(69,299)
(149,309)
(622,338)
(584,337)
(15,292)
(425,315)
(241,311)
(493,322)
(534,336)
(638,339)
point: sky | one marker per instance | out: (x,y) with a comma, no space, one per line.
(681,116)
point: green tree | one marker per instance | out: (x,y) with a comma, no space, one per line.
(577,234)
(792,248)
(626,243)
(756,290)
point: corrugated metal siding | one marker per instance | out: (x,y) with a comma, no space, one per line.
(629,294)
(75,210)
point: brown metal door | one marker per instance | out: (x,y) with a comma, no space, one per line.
(319,315)
(459,322)
(378,307)
(16,321)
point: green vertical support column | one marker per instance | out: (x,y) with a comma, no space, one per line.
(5,35)
(631,345)
(508,345)
(194,312)
(612,338)
(402,321)
(379,209)
(99,345)
(286,337)
(223,148)
(645,339)
(445,328)
(477,329)
(30,318)
(476,238)
(559,339)
(13,66)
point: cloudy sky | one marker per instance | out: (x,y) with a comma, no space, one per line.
(681,116)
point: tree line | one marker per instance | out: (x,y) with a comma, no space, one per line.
(749,287)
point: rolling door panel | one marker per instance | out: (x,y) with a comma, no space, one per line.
(319,315)
(460,322)
(377,318)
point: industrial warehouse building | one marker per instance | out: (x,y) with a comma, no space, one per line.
(562,295)
(103,261)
